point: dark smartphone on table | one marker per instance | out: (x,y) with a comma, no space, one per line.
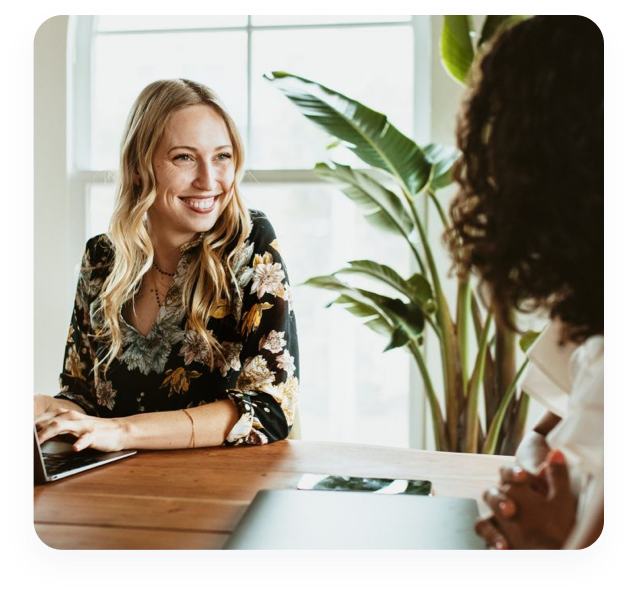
(376,485)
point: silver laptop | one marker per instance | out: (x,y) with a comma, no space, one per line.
(302,520)
(55,460)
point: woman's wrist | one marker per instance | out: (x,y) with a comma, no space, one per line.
(126,428)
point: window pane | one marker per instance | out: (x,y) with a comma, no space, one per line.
(350,390)
(125,64)
(372,65)
(152,22)
(99,209)
(258,20)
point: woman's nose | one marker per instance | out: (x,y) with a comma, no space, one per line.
(206,177)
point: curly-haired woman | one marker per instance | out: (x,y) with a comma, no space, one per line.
(183,333)
(529,219)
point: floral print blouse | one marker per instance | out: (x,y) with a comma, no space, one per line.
(170,369)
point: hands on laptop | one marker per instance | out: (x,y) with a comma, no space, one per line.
(66,421)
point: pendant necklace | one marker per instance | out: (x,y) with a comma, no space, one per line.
(154,290)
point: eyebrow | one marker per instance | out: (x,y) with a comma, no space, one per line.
(194,149)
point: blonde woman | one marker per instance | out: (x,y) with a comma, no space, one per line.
(183,333)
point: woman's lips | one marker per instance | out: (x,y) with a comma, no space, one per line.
(200,205)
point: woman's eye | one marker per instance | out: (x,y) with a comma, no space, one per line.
(183,157)
(224,156)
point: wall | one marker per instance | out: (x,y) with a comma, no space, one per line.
(53,279)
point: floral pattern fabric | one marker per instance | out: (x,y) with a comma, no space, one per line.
(171,368)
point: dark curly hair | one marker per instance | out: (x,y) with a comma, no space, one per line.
(529,215)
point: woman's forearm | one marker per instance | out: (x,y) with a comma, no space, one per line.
(208,424)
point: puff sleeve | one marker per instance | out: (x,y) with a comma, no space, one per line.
(76,382)
(266,389)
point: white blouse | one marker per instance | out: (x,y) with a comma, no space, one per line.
(569,381)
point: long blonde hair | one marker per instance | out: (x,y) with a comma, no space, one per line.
(206,284)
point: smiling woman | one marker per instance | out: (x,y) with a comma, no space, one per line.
(183,332)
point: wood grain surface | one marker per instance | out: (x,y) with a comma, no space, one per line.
(193,499)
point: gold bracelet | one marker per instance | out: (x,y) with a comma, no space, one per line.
(191,444)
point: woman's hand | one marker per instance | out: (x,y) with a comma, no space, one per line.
(527,516)
(45,407)
(102,434)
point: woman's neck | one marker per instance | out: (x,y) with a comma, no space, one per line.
(166,251)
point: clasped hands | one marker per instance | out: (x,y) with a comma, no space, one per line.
(53,419)
(530,511)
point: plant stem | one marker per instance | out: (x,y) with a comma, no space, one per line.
(417,255)
(438,423)
(462,326)
(517,421)
(473,421)
(449,348)
(491,399)
(439,207)
(492,435)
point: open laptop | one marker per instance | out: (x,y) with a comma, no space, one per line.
(55,460)
(302,520)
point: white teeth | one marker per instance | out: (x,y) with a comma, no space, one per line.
(199,204)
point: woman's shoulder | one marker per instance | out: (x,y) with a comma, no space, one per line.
(261,230)
(99,251)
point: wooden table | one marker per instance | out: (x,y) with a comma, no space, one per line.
(193,499)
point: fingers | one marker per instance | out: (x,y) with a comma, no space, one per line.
(83,442)
(513,474)
(41,420)
(500,504)
(557,474)
(488,531)
(67,422)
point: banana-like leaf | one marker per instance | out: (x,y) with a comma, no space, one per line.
(495,23)
(422,291)
(442,159)
(364,131)
(380,206)
(355,307)
(410,315)
(388,316)
(417,289)
(376,321)
(456,46)
(399,339)
(404,314)
(380,325)
(329,282)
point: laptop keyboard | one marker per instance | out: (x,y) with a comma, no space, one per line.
(58,463)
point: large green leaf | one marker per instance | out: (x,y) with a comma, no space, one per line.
(456,46)
(416,290)
(406,315)
(442,159)
(364,131)
(399,338)
(391,317)
(380,206)
(422,291)
(329,282)
(495,23)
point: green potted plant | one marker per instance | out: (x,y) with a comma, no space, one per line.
(401,177)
